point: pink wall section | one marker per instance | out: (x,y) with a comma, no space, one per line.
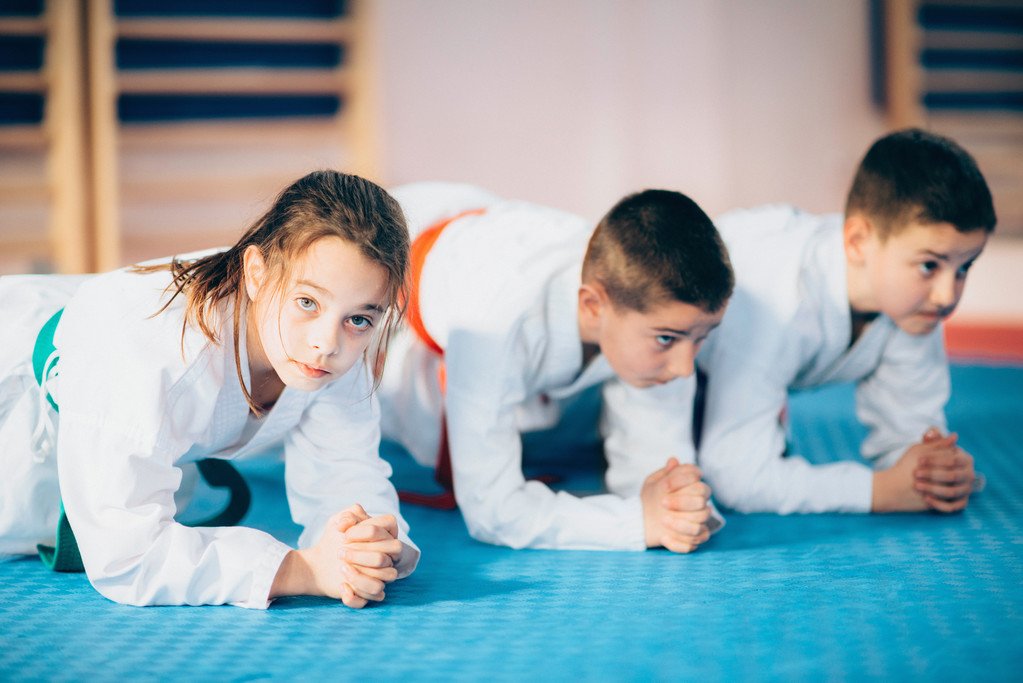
(576,102)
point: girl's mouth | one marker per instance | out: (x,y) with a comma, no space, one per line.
(310,371)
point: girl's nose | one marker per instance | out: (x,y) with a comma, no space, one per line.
(326,340)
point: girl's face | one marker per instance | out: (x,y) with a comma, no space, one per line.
(321,321)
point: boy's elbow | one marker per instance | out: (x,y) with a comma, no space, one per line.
(486,523)
(745,495)
(483,527)
(732,495)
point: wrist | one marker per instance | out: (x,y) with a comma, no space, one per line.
(295,576)
(879,494)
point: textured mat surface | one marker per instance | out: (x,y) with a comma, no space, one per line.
(828,597)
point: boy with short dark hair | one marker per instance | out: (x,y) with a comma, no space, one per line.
(515,307)
(829,299)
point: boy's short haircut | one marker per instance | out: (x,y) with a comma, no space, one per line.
(913,175)
(657,246)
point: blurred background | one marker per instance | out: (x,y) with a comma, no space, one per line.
(132,129)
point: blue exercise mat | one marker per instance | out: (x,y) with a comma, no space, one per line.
(819,597)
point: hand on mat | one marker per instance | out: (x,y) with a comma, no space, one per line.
(895,489)
(319,569)
(945,478)
(370,551)
(675,509)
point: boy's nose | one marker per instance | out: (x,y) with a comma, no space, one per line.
(683,360)
(944,293)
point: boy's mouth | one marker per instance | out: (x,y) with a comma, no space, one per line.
(939,314)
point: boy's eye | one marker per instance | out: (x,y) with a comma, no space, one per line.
(665,340)
(305,303)
(963,270)
(928,267)
(360,322)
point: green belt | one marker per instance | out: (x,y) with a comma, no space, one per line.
(64,555)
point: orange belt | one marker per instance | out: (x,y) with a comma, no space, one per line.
(421,247)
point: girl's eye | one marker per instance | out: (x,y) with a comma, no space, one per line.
(665,340)
(305,303)
(360,322)
(928,267)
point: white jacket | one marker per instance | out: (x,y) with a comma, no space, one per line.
(499,294)
(788,326)
(137,402)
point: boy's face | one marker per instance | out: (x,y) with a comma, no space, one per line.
(917,275)
(323,319)
(645,349)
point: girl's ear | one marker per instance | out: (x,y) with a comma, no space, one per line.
(857,234)
(254,268)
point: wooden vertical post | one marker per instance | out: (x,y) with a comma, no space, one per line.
(65,125)
(904,82)
(359,98)
(102,84)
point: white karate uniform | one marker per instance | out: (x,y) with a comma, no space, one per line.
(138,403)
(788,326)
(499,292)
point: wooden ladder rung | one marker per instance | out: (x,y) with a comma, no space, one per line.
(267,30)
(233,81)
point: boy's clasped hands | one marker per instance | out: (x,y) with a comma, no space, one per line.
(676,510)
(933,474)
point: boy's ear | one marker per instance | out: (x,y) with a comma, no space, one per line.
(254,268)
(857,232)
(592,299)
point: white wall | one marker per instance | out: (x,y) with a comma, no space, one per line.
(576,102)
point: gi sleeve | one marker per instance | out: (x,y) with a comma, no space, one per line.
(488,374)
(904,396)
(642,428)
(118,483)
(332,461)
(743,442)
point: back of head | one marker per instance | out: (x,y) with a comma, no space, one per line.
(658,246)
(916,176)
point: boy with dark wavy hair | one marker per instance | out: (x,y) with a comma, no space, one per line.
(859,297)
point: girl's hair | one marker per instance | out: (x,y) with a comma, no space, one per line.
(321,204)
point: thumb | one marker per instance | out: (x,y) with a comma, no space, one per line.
(342,521)
(661,473)
(932,434)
